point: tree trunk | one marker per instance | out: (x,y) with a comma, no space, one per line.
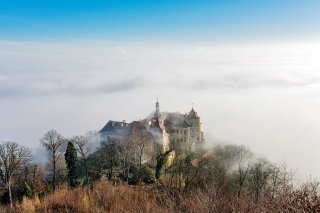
(140,162)
(10,195)
(54,171)
(86,171)
(128,170)
(239,192)
(34,177)
(140,167)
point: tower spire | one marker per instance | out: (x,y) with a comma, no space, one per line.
(157,113)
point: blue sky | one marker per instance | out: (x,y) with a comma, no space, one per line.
(173,20)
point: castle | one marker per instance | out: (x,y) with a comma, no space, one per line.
(181,132)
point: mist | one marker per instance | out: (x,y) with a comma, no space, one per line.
(264,96)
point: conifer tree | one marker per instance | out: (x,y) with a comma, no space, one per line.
(71,160)
(161,161)
(27,190)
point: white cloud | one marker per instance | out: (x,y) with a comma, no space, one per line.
(122,51)
(3,78)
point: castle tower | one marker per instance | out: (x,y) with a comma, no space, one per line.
(193,118)
(196,136)
(157,113)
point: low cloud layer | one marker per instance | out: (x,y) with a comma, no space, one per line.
(33,69)
(264,96)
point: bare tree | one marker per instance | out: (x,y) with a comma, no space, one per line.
(53,143)
(194,168)
(112,156)
(34,176)
(259,174)
(243,167)
(106,158)
(281,180)
(12,158)
(127,151)
(141,139)
(228,155)
(37,178)
(227,159)
(84,149)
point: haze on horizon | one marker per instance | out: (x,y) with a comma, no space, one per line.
(250,68)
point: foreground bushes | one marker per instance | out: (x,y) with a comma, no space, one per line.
(105,197)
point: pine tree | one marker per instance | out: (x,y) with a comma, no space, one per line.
(161,161)
(27,190)
(71,160)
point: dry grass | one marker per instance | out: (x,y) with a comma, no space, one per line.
(104,197)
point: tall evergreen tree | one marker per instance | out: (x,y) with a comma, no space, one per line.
(71,160)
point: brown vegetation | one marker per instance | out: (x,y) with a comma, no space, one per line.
(105,197)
